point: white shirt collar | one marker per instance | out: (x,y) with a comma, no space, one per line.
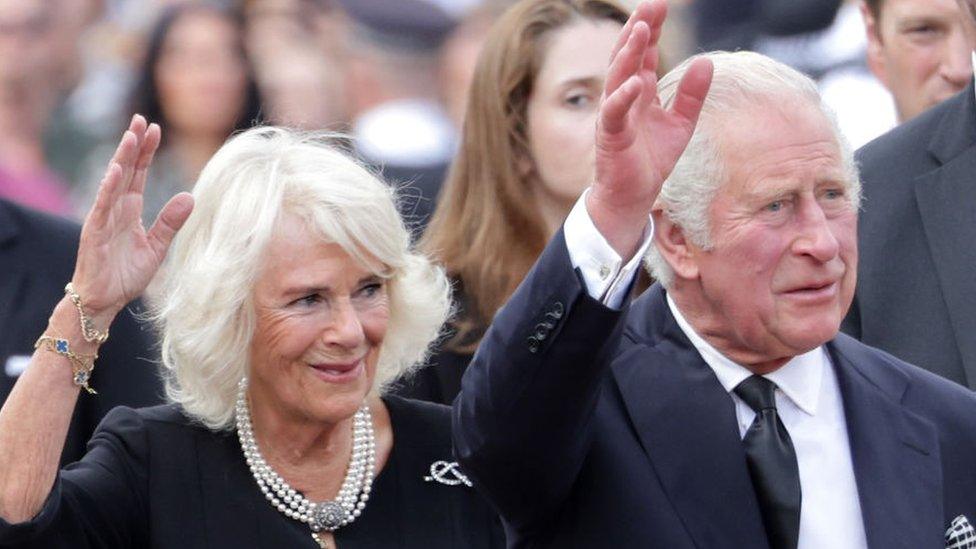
(799,378)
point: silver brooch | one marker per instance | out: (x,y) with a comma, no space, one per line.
(447,472)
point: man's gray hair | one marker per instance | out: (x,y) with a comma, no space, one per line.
(205,308)
(741,82)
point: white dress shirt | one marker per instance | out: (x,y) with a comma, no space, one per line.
(808,397)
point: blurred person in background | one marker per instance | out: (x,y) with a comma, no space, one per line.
(197,81)
(526,155)
(459,55)
(29,93)
(739,24)
(910,55)
(70,135)
(864,107)
(296,47)
(919,50)
(399,124)
(916,293)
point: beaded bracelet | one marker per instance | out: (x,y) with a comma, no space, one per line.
(89,332)
(81,365)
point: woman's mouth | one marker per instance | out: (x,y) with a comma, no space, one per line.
(339,372)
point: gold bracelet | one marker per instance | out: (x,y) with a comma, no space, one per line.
(88,331)
(81,365)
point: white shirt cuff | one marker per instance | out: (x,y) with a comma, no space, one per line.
(606,277)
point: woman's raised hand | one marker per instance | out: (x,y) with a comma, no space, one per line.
(117,256)
(638,141)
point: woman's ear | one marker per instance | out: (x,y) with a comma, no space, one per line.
(671,242)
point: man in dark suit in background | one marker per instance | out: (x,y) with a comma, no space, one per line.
(722,409)
(37,258)
(916,291)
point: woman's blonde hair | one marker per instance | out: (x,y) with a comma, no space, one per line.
(204,309)
(487,230)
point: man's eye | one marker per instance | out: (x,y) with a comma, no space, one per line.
(832,194)
(922,29)
(774,206)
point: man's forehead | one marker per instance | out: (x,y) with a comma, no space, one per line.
(893,11)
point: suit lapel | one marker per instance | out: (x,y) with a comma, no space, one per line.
(686,424)
(946,200)
(895,453)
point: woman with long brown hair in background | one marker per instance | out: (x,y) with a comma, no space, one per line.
(526,155)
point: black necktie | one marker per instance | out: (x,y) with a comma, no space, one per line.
(772,464)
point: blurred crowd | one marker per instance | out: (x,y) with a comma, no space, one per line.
(392,75)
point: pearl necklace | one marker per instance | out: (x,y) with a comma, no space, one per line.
(325,515)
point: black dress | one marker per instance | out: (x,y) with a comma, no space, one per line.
(154,479)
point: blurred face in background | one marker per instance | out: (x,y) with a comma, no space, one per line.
(920,50)
(562,108)
(201,75)
(459,56)
(968,8)
(26,29)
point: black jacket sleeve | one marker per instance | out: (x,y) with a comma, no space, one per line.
(522,420)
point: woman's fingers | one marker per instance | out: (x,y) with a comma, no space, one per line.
(170,219)
(150,144)
(105,199)
(138,128)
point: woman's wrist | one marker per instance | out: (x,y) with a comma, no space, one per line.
(65,323)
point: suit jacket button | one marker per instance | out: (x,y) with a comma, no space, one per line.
(533,344)
(557,310)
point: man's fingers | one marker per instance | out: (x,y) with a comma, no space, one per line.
(651,13)
(692,89)
(613,112)
(629,61)
(170,219)
(149,147)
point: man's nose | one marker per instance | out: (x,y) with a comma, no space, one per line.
(957,66)
(816,237)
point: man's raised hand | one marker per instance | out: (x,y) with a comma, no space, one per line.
(638,142)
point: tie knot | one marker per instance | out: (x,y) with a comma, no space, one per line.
(758,392)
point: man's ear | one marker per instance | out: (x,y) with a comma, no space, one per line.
(875,53)
(677,250)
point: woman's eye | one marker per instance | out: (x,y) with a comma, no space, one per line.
(371,290)
(308,300)
(578,100)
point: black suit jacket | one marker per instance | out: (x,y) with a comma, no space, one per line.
(588,427)
(916,287)
(37,258)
